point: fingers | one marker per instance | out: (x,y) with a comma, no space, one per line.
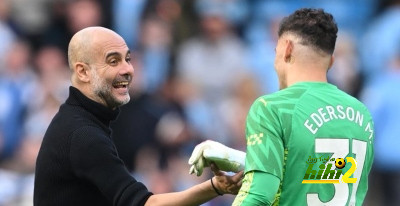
(198,151)
(236,183)
(200,166)
(193,170)
(216,170)
(228,184)
(238,176)
(197,168)
(210,151)
(196,154)
(196,160)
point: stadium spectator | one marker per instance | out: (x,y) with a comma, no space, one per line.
(127,19)
(17,156)
(345,73)
(70,17)
(7,36)
(377,45)
(209,66)
(17,83)
(383,103)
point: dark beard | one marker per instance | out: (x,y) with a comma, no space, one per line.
(104,91)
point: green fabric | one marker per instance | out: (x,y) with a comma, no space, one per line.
(309,120)
(254,192)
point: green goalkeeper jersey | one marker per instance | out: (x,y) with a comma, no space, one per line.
(296,136)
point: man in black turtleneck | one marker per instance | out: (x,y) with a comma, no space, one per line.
(78,163)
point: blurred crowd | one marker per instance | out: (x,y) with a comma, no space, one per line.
(199,65)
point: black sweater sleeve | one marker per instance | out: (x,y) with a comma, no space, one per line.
(94,158)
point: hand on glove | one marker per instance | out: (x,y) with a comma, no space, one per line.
(225,158)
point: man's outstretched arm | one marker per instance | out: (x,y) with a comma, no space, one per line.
(200,193)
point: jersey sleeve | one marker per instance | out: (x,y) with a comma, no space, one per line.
(265,149)
(94,158)
(258,188)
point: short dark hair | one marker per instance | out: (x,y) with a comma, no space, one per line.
(316,27)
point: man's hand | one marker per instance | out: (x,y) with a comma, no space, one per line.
(226,184)
(225,158)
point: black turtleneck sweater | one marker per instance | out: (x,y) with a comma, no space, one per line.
(78,163)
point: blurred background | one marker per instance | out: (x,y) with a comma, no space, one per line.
(199,64)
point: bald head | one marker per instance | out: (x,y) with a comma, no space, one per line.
(81,48)
(100,63)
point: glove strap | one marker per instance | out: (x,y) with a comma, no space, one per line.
(215,189)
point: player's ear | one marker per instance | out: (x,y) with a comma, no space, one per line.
(82,71)
(288,56)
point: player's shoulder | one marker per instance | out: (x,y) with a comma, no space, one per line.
(283,98)
(352,101)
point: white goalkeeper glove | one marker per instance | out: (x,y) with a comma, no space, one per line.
(226,159)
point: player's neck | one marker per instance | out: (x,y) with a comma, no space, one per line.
(306,74)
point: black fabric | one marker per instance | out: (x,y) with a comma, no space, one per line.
(135,127)
(78,163)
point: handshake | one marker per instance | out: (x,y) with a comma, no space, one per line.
(225,158)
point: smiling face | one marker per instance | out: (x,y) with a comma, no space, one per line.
(101,64)
(111,71)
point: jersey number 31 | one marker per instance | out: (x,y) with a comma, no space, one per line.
(340,149)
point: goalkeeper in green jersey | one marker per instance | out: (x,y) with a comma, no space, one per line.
(295,135)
